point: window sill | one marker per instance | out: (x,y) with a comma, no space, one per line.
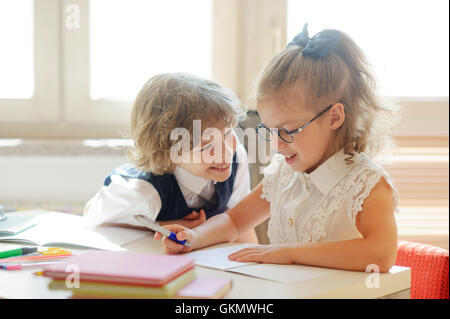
(435,239)
(73,147)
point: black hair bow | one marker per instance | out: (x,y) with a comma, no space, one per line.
(319,45)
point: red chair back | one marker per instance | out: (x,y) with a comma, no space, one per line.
(429,269)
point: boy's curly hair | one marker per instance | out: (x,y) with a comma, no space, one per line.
(174,100)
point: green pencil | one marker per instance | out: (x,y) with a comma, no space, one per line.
(18,252)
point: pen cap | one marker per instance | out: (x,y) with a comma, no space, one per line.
(150,223)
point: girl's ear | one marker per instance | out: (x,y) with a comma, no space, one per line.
(337,116)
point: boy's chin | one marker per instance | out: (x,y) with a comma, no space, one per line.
(219,176)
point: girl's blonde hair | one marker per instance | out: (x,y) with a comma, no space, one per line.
(174,100)
(343,76)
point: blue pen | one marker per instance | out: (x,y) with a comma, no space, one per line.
(150,223)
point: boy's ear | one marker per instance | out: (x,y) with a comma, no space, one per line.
(337,116)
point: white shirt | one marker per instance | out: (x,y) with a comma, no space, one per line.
(320,206)
(124,197)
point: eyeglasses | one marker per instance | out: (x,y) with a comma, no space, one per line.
(284,134)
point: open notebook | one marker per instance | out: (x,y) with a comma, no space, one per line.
(216,257)
(60,229)
(18,221)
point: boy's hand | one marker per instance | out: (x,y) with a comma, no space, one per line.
(183,233)
(194,219)
(190,221)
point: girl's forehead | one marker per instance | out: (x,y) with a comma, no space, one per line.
(278,113)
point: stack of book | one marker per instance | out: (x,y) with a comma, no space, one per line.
(103,274)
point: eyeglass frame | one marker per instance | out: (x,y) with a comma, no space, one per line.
(290,133)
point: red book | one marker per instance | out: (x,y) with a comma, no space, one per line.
(125,268)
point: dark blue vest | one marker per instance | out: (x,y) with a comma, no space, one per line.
(172,200)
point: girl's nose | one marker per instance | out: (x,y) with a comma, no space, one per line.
(278,144)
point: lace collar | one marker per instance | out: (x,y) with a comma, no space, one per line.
(330,172)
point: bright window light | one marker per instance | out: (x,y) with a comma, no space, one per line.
(131,40)
(406,41)
(16,49)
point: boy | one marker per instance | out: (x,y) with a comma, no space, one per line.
(185,192)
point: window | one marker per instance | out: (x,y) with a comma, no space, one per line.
(407,42)
(16,58)
(120,44)
(131,40)
(29,68)
(82,62)
(73,68)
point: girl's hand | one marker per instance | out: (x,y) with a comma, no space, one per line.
(183,233)
(190,221)
(273,254)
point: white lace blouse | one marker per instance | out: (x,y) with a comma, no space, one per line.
(320,206)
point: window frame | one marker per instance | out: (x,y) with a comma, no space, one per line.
(246,34)
(43,106)
(78,106)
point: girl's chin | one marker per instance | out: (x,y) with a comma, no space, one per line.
(291,160)
(297,166)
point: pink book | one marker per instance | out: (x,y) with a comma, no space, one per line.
(126,268)
(205,288)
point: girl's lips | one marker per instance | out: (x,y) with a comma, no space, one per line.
(291,159)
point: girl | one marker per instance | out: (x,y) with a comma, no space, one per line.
(183,192)
(329,204)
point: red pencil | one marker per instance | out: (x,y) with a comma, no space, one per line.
(22,266)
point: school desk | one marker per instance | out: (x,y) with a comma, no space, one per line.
(339,284)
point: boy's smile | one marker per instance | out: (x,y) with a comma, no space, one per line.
(216,157)
(221,168)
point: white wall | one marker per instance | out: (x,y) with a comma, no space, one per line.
(61,179)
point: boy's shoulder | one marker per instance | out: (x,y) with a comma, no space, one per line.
(129,171)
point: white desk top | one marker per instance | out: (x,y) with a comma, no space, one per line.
(336,284)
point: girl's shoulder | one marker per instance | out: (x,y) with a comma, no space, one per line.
(364,175)
(364,167)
